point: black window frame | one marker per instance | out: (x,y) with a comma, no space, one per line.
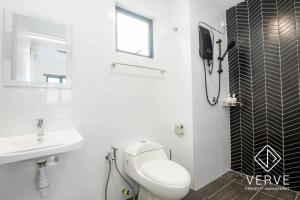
(139,17)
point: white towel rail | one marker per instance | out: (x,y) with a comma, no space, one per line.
(139,66)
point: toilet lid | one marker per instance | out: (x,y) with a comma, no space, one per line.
(166,172)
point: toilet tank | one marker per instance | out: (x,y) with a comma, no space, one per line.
(138,153)
(142,146)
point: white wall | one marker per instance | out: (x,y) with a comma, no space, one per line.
(108,108)
(180,84)
(210,124)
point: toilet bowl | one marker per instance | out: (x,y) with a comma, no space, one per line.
(160,178)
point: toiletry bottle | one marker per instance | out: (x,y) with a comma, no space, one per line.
(228,99)
(234,99)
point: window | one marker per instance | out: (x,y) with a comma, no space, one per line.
(134,33)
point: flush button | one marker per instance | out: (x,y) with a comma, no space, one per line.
(143,141)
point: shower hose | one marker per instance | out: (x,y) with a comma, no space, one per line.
(211,64)
(110,160)
(215,101)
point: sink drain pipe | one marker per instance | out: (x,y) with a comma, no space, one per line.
(42,180)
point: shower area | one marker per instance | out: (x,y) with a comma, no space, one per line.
(264,72)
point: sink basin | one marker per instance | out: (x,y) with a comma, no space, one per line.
(19,148)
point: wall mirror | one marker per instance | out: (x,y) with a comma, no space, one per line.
(37,52)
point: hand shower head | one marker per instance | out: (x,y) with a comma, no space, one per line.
(230,46)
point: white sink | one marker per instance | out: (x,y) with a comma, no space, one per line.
(19,148)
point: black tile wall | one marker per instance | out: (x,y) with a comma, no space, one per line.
(245,89)
(273,81)
(258,79)
(289,41)
(264,71)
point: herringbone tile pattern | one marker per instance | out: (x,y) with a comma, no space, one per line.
(264,71)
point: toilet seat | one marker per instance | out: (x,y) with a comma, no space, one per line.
(166,173)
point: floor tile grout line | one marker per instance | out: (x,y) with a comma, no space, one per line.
(233,180)
(221,188)
(260,189)
(270,195)
(255,194)
(257,191)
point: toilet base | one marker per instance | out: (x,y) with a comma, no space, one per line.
(144,194)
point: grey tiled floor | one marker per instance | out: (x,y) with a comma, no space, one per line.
(232,186)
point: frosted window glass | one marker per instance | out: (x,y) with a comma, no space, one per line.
(134,33)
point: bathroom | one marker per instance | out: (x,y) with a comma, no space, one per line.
(154,99)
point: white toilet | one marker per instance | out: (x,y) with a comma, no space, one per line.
(160,179)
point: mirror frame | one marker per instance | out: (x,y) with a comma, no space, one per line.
(7,62)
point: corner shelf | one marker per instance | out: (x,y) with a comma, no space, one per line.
(232,104)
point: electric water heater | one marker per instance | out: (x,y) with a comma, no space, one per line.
(205,44)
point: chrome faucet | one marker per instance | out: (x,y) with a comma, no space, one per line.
(40,130)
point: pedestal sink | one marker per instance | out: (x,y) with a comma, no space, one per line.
(26,147)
